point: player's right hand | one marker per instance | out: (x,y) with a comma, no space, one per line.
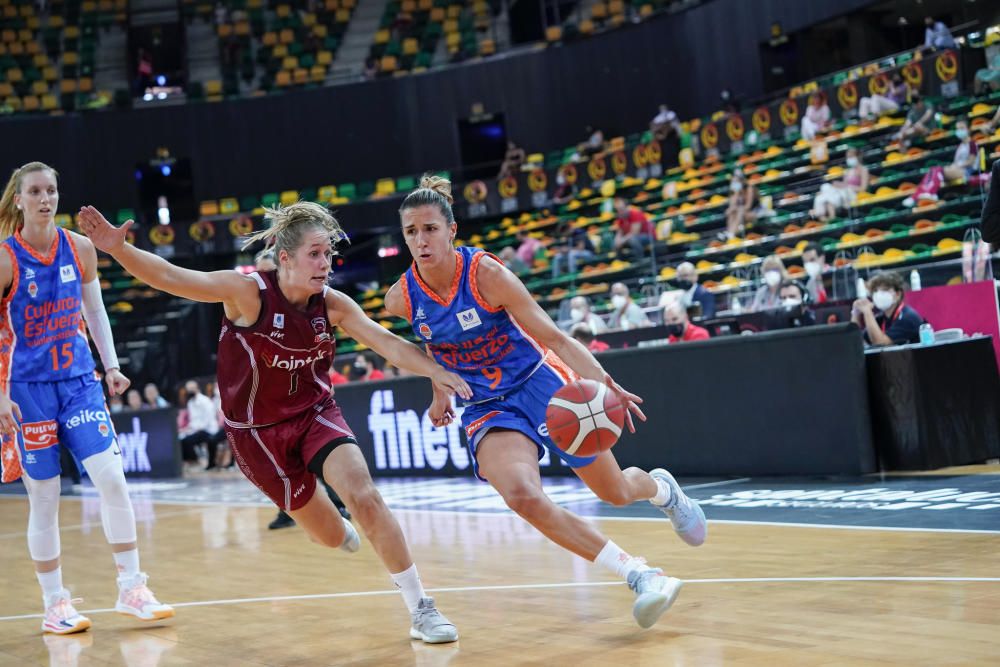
(441,411)
(102,233)
(451,384)
(10,416)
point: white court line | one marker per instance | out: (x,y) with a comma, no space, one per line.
(722,483)
(574,584)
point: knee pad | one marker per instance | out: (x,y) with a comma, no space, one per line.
(108,477)
(43,517)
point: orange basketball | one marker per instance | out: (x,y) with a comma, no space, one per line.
(585,418)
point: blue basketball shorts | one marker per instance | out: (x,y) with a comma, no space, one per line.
(72,412)
(522,411)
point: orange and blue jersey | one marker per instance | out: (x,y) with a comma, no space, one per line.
(512,375)
(45,360)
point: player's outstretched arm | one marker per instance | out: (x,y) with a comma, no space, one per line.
(502,289)
(237,291)
(345,313)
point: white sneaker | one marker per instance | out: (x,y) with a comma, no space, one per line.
(654,593)
(135,599)
(352,541)
(909,202)
(61,618)
(430,626)
(685,514)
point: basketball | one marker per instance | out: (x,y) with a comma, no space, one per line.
(585,418)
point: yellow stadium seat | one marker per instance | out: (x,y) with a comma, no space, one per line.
(224,30)
(454,11)
(208,208)
(586,26)
(283,11)
(300,76)
(348,4)
(85,85)
(67,86)
(6,90)
(39,88)
(553,33)
(324,58)
(49,102)
(343,15)
(15,75)
(410,46)
(616,7)
(213,87)
(437,15)
(229,205)
(425,5)
(279,51)
(289,197)
(409,6)
(269,38)
(382,36)
(286,36)
(450,26)
(385,186)
(40,60)
(31,103)
(308,19)
(70,58)
(599,11)
(487,47)
(56,21)
(283,78)
(14,102)
(327,193)
(289,62)
(320,30)
(317,74)
(388,64)
(331,5)
(242,29)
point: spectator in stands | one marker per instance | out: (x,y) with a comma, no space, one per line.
(336,377)
(742,202)
(816,119)
(664,123)
(527,247)
(687,280)
(594,143)
(363,369)
(579,312)
(768,296)
(202,425)
(133,400)
(152,398)
(371,69)
(564,191)
(991,210)
(143,72)
(877,105)
(964,164)
(814,262)
(626,313)
(115,404)
(510,259)
(632,228)
(937,35)
(582,333)
(886,319)
(221,14)
(842,193)
(988,78)
(920,120)
(795,300)
(994,123)
(512,161)
(578,248)
(679,327)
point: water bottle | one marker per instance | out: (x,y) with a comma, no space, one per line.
(915,280)
(926,334)
(862,288)
(737,307)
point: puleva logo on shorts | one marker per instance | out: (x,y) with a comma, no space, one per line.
(88,417)
(469,319)
(40,435)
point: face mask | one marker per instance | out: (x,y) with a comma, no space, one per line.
(962,134)
(883,299)
(772,278)
(618,301)
(683,284)
(735,186)
(852,162)
(791,302)
(576,314)
(675,330)
(357,372)
(813,269)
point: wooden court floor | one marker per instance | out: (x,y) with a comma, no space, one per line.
(756,595)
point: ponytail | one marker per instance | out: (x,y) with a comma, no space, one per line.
(12,219)
(288,223)
(433,191)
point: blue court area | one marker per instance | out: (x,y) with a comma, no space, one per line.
(931,502)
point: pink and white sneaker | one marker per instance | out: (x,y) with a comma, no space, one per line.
(135,599)
(60,616)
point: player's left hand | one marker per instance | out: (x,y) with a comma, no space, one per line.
(630,400)
(451,384)
(117,383)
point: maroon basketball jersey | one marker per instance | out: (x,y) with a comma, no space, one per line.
(278,367)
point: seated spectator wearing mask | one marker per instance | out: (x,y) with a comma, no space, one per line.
(879,105)
(920,120)
(886,319)
(842,193)
(363,369)
(578,249)
(687,280)
(816,118)
(795,300)
(679,327)
(579,312)
(626,313)
(814,262)
(633,228)
(582,333)
(768,297)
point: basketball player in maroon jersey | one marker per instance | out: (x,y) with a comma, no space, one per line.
(275,351)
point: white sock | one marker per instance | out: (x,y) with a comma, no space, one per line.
(663,493)
(51,582)
(408,583)
(127,563)
(618,561)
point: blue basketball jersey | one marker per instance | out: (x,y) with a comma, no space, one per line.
(42,333)
(484,345)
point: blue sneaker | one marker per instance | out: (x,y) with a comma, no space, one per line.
(654,593)
(684,513)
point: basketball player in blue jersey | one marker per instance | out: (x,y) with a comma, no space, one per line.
(49,392)
(477,319)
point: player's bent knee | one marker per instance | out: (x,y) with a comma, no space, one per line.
(617,495)
(526,502)
(332,534)
(366,503)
